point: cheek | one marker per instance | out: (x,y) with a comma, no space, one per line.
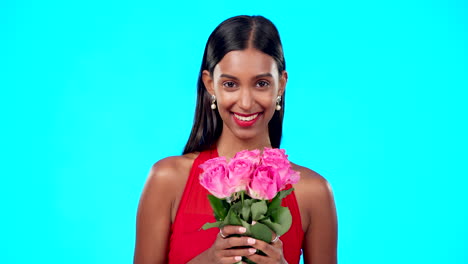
(266,101)
(226,99)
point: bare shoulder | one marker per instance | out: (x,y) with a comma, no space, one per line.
(314,196)
(312,184)
(318,213)
(157,207)
(172,170)
(167,180)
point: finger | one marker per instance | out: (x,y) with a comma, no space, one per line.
(258,258)
(272,250)
(221,234)
(230,230)
(276,242)
(237,242)
(238,252)
(231,260)
(273,236)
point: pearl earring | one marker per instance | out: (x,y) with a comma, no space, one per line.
(213,102)
(278,106)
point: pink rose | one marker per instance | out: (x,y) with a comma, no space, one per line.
(240,173)
(278,159)
(252,155)
(264,184)
(292,178)
(214,177)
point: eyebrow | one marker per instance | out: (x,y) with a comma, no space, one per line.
(256,77)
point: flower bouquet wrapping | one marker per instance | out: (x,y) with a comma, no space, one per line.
(247,191)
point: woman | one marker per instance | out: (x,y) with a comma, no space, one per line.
(240,106)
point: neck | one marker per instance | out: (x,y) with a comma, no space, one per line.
(228,144)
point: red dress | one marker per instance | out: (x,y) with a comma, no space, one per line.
(188,239)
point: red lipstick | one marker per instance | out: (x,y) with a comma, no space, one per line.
(245,120)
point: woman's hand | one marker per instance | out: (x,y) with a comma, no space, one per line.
(226,249)
(273,252)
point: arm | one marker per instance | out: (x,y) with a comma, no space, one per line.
(320,241)
(154,215)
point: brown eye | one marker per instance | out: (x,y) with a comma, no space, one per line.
(263,84)
(229,84)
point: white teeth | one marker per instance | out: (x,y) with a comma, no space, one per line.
(246,118)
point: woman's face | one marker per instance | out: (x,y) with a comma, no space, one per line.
(246,84)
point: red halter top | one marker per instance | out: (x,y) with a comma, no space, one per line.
(188,239)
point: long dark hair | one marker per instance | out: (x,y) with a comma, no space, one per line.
(235,33)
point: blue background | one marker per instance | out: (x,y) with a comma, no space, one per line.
(92,93)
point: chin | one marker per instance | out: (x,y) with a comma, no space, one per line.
(248,134)
(246,131)
(245,136)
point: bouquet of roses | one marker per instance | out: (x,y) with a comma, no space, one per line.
(247,191)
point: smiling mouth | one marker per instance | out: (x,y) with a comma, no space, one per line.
(245,118)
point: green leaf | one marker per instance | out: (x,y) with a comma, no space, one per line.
(285,193)
(262,232)
(246,209)
(282,215)
(276,201)
(280,221)
(232,218)
(220,207)
(275,227)
(259,209)
(236,207)
(211,225)
(247,226)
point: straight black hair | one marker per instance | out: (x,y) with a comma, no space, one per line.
(236,33)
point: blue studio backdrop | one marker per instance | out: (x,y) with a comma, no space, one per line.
(92,93)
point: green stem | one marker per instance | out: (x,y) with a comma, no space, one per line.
(242,197)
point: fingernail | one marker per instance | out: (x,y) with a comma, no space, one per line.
(242,229)
(237,258)
(252,250)
(250,241)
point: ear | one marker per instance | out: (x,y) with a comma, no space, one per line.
(282,82)
(208,81)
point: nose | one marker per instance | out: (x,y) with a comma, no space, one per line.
(246,99)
